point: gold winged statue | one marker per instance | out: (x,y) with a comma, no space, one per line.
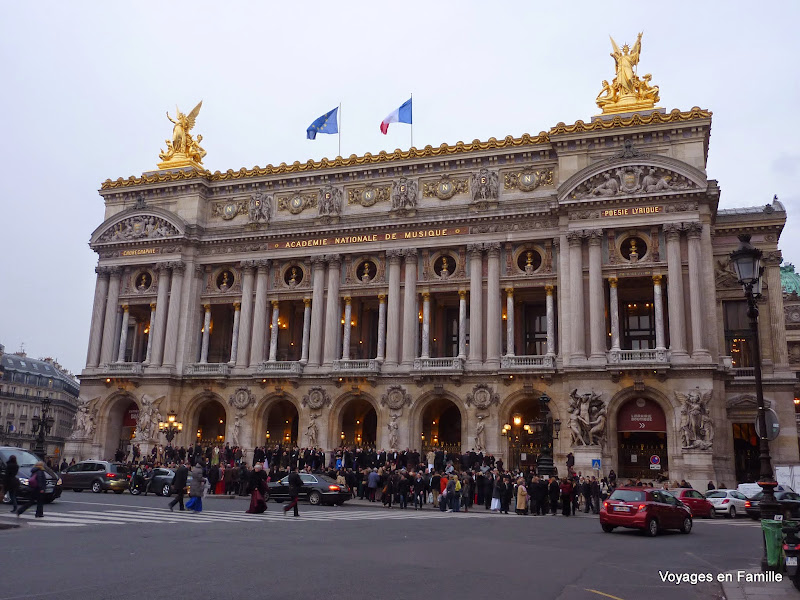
(183,150)
(627,92)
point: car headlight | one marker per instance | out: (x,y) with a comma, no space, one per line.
(59,481)
(23,480)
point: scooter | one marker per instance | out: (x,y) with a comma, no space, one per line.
(791,552)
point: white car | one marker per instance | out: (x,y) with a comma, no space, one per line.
(727,502)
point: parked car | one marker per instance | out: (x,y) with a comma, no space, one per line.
(96,475)
(159,482)
(648,509)
(318,489)
(789,501)
(696,502)
(727,502)
(26,462)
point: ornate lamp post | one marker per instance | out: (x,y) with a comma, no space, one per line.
(548,428)
(746,262)
(42,426)
(170,427)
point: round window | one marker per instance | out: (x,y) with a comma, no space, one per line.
(633,248)
(225,281)
(293,276)
(444,266)
(529,261)
(143,281)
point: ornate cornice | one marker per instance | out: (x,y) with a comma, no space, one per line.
(674,116)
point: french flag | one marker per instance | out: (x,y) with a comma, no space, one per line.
(399,115)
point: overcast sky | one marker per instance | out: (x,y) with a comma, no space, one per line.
(86,86)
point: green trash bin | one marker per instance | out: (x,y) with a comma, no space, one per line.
(773,539)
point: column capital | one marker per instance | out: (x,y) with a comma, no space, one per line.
(125,308)
(381,298)
(152,306)
(612,281)
(247,265)
(394,255)
(672,231)
(275,304)
(574,238)
(462,294)
(693,229)
(410,254)
(347,300)
(306,302)
(492,248)
(549,289)
(178,266)
(773,258)
(237,306)
(161,267)
(207,307)
(475,249)
(334,260)
(263,264)
(103,272)
(510,292)
(317,261)
(657,279)
(595,236)
(201,270)
(426,296)
(115,271)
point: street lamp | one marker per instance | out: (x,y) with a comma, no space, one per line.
(170,427)
(42,426)
(746,262)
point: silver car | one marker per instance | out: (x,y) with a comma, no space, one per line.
(727,502)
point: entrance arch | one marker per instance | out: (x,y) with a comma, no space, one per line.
(525,438)
(358,423)
(642,439)
(122,415)
(280,424)
(211,422)
(441,425)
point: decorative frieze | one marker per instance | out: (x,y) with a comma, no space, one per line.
(445,188)
(528,179)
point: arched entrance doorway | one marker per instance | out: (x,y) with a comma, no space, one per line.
(359,423)
(281,424)
(211,424)
(527,434)
(441,426)
(642,439)
(122,418)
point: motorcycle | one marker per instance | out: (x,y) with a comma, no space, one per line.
(791,553)
(139,485)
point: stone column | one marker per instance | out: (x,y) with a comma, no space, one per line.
(123,333)
(575,240)
(393,309)
(332,310)
(462,323)
(149,353)
(475,305)
(158,329)
(348,315)
(677,323)
(173,314)
(597,315)
(206,333)
(237,315)
(699,350)
(564,306)
(260,314)
(381,328)
(98,312)
(658,302)
(110,317)
(510,321)
(274,330)
(246,318)
(306,329)
(551,321)
(317,311)
(494,312)
(426,325)
(613,308)
(772,276)
(410,318)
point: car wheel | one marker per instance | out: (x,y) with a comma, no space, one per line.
(608,528)
(97,487)
(48,499)
(651,528)
(135,491)
(687,525)
(6,498)
(755,517)
(732,513)
(77,489)
(711,514)
(118,491)
(315,498)
(166,490)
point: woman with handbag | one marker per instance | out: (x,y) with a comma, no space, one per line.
(196,488)
(258,490)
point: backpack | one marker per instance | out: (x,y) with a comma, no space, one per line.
(33,481)
(458,486)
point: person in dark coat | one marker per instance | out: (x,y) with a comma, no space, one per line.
(553,491)
(10,482)
(257,486)
(508,494)
(566,490)
(295,483)
(38,491)
(179,485)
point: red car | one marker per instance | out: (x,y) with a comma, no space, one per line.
(648,509)
(696,502)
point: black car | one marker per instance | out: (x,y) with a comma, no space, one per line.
(789,501)
(318,489)
(26,462)
(159,482)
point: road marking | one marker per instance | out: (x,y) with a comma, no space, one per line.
(602,594)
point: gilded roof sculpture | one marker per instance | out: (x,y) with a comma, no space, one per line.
(627,92)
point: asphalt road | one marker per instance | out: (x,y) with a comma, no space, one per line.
(123,547)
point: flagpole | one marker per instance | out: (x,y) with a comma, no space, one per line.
(339,128)
(412,120)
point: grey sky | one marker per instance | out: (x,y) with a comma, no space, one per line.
(86,86)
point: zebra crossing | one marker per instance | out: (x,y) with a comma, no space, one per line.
(140,515)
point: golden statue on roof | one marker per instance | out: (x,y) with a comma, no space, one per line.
(627,92)
(183,150)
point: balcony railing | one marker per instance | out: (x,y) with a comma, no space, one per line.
(368,366)
(124,368)
(208,369)
(280,367)
(745,372)
(452,364)
(521,363)
(627,357)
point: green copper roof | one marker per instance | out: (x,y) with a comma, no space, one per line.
(790,281)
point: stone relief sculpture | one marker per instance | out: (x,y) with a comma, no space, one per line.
(628,180)
(259,208)
(149,417)
(84,425)
(396,397)
(329,203)
(139,227)
(394,438)
(241,398)
(312,431)
(485,185)
(482,396)
(697,429)
(480,435)
(587,418)
(404,194)
(237,428)
(316,398)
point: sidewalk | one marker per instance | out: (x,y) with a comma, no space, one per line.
(476,508)
(764,590)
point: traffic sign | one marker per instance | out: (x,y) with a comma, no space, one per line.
(596,464)
(773,427)
(655,459)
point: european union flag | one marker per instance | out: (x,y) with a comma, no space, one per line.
(327,123)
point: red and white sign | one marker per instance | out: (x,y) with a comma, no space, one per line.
(641,414)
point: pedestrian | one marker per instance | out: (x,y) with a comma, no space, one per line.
(10,482)
(258,490)
(508,494)
(711,486)
(553,491)
(295,483)
(196,488)
(372,484)
(497,494)
(566,496)
(179,485)
(419,487)
(36,483)
(522,497)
